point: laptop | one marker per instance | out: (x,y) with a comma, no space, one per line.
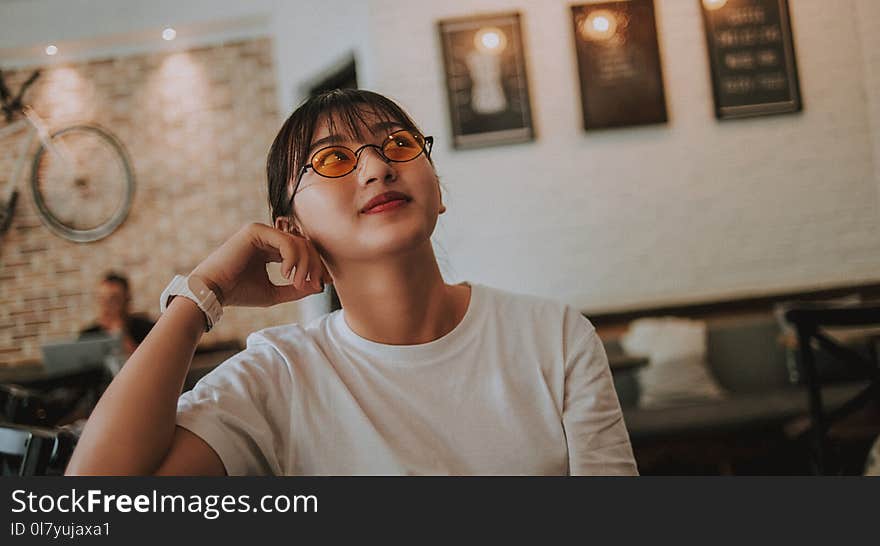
(88,353)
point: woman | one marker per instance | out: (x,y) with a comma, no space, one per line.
(413,376)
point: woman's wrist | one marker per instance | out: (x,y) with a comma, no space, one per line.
(212,286)
(191,315)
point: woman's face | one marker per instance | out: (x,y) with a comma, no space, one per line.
(331,211)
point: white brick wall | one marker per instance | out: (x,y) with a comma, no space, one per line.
(632,217)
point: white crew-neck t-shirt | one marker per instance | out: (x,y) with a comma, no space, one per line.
(520,386)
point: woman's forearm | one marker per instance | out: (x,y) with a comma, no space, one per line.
(131,428)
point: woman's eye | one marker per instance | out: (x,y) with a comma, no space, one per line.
(403,141)
(333,156)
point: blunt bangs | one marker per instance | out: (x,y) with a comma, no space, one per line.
(346,112)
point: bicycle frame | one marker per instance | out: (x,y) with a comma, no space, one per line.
(21,155)
(36,130)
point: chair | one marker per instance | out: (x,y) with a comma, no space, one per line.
(42,450)
(809,321)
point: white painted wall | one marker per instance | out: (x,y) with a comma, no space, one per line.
(632,217)
(868,16)
(691,210)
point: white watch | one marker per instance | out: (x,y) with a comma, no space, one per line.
(195,289)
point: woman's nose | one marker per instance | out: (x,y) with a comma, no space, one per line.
(373,166)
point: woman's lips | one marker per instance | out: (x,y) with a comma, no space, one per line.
(384,198)
(388,205)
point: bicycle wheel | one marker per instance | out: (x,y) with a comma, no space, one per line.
(83,186)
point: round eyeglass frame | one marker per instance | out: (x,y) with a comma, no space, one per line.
(426,149)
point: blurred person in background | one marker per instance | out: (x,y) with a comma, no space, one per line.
(113,300)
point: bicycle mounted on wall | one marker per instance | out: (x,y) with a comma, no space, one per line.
(81,179)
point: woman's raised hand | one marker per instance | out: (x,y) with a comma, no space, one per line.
(236,270)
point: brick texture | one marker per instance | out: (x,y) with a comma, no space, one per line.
(197,125)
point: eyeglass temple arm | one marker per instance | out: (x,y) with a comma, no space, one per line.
(296,186)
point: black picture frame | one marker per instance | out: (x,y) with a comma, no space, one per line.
(486,80)
(619,66)
(752,58)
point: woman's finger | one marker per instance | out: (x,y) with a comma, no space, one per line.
(274,256)
(278,246)
(316,269)
(287,292)
(319,269)
(302,268)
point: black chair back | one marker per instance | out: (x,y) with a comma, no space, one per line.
(811,321)
(34,451)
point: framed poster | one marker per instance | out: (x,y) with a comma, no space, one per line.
(486,80)
(619,64)
(752,58)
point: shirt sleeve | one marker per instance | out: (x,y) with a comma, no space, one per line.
(239,410)
(598,443)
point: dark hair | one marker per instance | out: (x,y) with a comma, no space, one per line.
(118,278)
(340,107)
